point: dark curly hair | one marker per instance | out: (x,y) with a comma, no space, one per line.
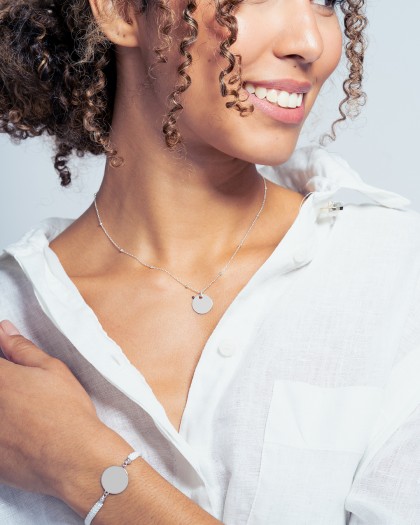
(58,70)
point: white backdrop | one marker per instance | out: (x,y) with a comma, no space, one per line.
(381,144)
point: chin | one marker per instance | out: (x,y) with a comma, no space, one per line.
(269,147)
(269,152)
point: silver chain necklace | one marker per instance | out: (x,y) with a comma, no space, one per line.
(201,303)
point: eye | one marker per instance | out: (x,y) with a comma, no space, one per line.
(327,4)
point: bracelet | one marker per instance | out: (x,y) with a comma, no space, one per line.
(114,480)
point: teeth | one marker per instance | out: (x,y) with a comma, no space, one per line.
(261,92)
(272,96)
(282,98)
(293,100)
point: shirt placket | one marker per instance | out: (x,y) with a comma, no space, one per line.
(225,349)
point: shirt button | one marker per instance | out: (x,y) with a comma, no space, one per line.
(227,348)
(300,255)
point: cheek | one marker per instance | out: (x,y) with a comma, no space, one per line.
(324,67)
(333,46)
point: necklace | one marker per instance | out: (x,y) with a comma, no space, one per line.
(201,302)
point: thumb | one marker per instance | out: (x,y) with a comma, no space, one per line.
(18,349)
(9,328)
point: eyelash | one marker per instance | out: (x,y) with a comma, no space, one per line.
(329,7)
(330,4)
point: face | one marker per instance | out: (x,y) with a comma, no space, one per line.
(278,40)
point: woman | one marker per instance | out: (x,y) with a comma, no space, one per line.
(262,370)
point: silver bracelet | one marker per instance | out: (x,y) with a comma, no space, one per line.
(114,480)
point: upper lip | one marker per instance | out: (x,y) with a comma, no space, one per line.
(286,84)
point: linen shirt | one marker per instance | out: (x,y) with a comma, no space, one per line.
(304,407)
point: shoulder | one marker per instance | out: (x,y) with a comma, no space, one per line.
(402,226)
(390,232)
(12,278)
(371,253)
(17,290)
(11,275)
(17,296)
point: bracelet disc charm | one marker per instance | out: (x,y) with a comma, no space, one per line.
(114,479)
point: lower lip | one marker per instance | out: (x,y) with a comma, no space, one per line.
(286,115)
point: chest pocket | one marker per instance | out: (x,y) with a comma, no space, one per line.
(314,438)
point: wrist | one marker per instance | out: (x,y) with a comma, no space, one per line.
(80,487)
(149,498)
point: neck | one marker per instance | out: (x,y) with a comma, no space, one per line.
(164,211)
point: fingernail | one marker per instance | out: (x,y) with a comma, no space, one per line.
(9,328)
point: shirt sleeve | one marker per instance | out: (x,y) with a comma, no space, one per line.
(386,486)
(387,490)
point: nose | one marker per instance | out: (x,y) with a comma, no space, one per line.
(299,36)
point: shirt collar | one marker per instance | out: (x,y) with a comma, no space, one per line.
(310,169)
(314,169)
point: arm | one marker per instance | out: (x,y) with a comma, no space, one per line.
(386,487)
(148,499)
(387,490)
(52,442)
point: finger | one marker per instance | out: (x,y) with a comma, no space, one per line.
(20,350)
(9,328)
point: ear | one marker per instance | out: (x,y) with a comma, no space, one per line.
(120,26)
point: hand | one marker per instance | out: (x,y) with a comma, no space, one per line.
(52,442)
(46,417)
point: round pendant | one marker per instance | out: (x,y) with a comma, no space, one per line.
(114,479)
(202,303)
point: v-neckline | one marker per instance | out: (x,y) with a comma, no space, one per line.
(57,294)
(64,278)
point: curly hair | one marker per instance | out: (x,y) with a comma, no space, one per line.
(58,70)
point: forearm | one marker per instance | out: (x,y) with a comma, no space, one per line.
(148,500)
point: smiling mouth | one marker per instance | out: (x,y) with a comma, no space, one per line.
(282,98)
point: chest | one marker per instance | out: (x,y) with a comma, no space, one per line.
(158,330)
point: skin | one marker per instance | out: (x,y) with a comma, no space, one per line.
(153,206)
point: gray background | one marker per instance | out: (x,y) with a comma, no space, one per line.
(381,144)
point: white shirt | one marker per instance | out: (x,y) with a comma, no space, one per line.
(305,404)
